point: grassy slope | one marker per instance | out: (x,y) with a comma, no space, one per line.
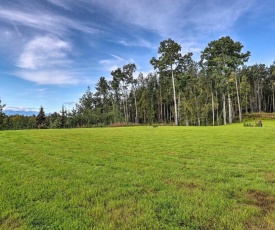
(138,178)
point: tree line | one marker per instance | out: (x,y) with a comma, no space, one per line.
(218,89)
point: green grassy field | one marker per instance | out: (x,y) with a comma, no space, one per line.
(138,178)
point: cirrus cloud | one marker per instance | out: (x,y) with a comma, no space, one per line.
(46,60)
(44,52)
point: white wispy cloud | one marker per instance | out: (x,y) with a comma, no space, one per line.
(50,77)
(69,103)
(26,109)
(117,57)
(45,21)
(177,18)
(217,15)
(45,60)
(44,52)
(112,64)
(140,42)
(61,3)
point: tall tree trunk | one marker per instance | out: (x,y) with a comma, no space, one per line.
(136,118)
(124,110)
(197,111)
(167,113)
(259,98)
(113,107)
(251,103)
(213,108)
(164,114)
(161,112)
(238,97)
(126,106)
(224,109)
(218,122)
(273,98)
(175,99)
(179,104)
(246,104)
(229,109)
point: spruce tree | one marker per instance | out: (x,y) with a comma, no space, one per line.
(41,118)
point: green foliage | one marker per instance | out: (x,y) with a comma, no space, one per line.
(41,118)
(138,178)
(2,115)
(224,55)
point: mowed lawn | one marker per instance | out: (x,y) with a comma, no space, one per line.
(138,178)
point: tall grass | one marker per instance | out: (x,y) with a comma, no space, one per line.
(138,178)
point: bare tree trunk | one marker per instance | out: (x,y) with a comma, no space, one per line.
(259,98)
(197,111)
(113,106)
(273,98)
(229,109)
(224,110)
(164,113)
(175,99)
(124,110)
(213,108)
(238,98)
(218,122)
(126,106)
(167,113)
(136,118)
(170,114)
(251,103)
(246,104)
(179,118)
(161,115)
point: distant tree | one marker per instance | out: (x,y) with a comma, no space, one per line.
(1,114)
(86,109)
(86,102)
(63,117)
(102,98)
(272,83)
(120,87)
(128,71)
(41,118)
(55,120)
(31,122)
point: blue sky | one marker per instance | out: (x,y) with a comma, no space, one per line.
(51,50)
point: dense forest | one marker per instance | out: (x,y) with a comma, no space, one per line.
(217,90)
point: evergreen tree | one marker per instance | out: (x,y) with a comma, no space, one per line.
(63,117)
(2,115)
(41,118)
